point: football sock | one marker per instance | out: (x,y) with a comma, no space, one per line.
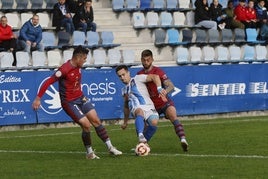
(179,129)
(148,134)
(102,133)
(139,123)
(108,144)
(87,141)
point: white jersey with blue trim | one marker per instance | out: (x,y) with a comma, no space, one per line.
(138,96)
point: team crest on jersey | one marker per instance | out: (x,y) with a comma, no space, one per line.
(51,99)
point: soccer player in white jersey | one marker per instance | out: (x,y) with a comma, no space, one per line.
(137,101)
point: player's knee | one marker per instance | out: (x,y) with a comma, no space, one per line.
(153,120)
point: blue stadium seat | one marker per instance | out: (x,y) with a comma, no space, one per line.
(172,5)
(187,36)
(22,4)
(93,39)
(145,5)
(79,38)
(107,39)
(118,5)
(201,36)
(181,55)
(160,37)
(37,4)
(249,53)
(64,39)
(239,36)
(213,37)
(158,5)
(50,3)
(166,20)
(7,4)
(49,40)
(132,5)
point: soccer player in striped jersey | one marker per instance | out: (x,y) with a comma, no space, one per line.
(137,102)
(74,103)
(162,106)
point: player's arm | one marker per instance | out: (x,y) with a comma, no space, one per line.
(37,101)
(157,82)
(126,113)
(168,85)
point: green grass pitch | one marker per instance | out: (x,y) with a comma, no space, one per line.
(219,148)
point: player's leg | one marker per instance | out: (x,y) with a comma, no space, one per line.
(75,112)
(86,138)
(171,114)
(139,124)
(152,121)
(101,131)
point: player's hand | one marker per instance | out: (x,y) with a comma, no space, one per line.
(36,103)
(124,126)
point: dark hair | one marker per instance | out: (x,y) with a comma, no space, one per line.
(80,50)
(120,67)
(146,53)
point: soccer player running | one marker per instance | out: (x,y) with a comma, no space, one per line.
(137,102)
(74,103)
(162,106)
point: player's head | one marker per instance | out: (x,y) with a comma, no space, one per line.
(147,59)
(123,73)
(79,56)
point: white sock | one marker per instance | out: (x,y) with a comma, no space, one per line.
(109,144)
(89,149)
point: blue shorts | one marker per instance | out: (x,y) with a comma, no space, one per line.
(77,108)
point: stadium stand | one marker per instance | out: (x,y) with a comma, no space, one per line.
(23,59)
(99,56)
(54,58)
(166,20)
(6,60)
(118,5)
(93,39)
(145,30)
(22,4)
(39,59)
(248,53)
(181,55)
(114,56)
(37,4)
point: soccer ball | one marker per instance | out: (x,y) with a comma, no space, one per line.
(142,149)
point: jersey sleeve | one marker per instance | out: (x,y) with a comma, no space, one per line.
(141,78)
(52,79)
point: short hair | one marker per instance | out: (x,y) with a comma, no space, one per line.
(146,53)
(120,67)
(80,50)
(3,17)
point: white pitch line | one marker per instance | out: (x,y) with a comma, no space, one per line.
(132,128)
(152,154)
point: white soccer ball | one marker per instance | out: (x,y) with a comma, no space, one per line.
(142,149)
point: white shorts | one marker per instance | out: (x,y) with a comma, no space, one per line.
(149,114)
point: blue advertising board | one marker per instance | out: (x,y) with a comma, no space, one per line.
(198,90)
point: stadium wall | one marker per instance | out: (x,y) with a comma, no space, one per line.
(200,90)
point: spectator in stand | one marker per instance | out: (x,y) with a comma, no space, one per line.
(251,15)
(202,16)
(84,17)
(31,35)
(8,39)
(261,13)
(231,21)
(62,17)
(216,13)
(240,11)
(262,20)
